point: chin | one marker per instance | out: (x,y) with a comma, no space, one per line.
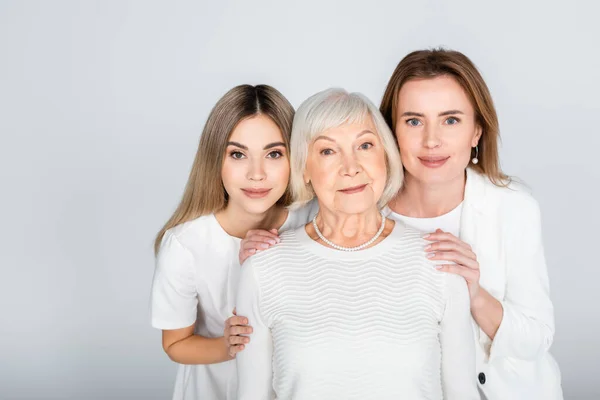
(432,179)
(257,206)
(356,207)
(438,176)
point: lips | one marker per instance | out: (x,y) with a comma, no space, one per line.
(433,161)
(354,189)
(256,193)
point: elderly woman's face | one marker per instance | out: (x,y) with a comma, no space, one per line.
(346,167)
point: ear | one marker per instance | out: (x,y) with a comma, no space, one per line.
(306,177)
(477,136)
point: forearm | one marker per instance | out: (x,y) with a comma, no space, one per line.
(487,312)
(197,349)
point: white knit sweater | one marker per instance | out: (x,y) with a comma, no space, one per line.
(381,323)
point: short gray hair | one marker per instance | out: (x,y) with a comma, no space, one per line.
(330,109)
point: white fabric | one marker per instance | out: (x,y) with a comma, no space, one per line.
(503,227)
(195,281)
(379,323)
(449,222)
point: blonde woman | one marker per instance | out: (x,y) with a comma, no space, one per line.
(483,227)
(238,182)
(348,306)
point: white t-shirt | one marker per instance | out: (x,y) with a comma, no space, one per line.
(196,278)
(449,222)
(380,323)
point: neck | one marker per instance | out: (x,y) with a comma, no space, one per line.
(237,221)
(422,200)
(348,230)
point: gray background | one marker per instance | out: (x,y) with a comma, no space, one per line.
(101,107)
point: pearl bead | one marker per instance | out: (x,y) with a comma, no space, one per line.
(341,248)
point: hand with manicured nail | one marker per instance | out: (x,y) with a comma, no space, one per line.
(448,247)
(257,240)
(235,327)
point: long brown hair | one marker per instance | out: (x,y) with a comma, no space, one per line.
(204,192)
(428,64)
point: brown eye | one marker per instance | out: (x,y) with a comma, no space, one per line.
(275,154)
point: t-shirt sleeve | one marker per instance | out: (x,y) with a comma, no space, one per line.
(457,343)
(174,302)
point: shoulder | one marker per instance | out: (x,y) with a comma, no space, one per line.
(287,249)
(298,217)
(407,236)
(190,234)
(513,199)
(409,249)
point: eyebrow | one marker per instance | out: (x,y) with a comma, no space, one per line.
(442,114)
(274,144)
(366,131)
(267,147)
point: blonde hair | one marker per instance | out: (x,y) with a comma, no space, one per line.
(428,64)
(329,109)
(204,192)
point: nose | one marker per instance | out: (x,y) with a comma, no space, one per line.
(351,167)
(256,171)
(431,140)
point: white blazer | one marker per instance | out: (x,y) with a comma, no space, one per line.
(503,227)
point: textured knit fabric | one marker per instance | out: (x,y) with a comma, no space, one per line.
(380,323)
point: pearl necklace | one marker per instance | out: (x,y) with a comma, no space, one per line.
(360,247)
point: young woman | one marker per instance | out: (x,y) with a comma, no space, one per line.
(238,183)
(484,227)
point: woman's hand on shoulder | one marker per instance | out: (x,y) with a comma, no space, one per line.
(235,327)
(447,247)
(257,240)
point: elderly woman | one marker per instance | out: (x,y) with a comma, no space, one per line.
(349,306)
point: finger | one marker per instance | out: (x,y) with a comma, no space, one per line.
(446,236)
(456,257)
(236,320)
(467,273)
(261,233)
(240,330)
(244,254)
(236,340)
(233,350)
(256,245)
(234,312)
(272,239)
(446,245)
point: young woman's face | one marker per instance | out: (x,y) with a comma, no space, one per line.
(256,167)
(436,129)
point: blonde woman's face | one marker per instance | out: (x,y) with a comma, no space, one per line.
(436,129)
(256,167)
(346,167)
